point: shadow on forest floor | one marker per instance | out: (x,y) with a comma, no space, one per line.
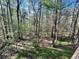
(60,52)
(35,52)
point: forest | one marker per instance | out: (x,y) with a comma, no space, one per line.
(39,29)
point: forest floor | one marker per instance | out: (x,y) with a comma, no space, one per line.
(26,49)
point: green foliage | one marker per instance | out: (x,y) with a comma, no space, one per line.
(35,44)
(45,53)
(25,53)
(47,3)
(28,26)
(50,4)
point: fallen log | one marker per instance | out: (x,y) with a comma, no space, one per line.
(76,54)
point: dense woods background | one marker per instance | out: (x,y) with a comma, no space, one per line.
(40,23)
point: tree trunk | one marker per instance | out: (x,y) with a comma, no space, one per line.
(4,29)
(54,30)
(74,28)
(12,29)
(18,10)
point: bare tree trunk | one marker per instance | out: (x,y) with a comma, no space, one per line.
(39,11)
(55,38)
(74,28)
(21,24)
(9,21)
(18,10)
(54,30)
(3,22)
(8,18)
(78,35)
(12,29)
(2,29)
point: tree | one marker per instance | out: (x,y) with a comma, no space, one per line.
(56,5)
(74,24)
(3,21)
(18,11)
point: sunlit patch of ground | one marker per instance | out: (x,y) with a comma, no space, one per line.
(59,49)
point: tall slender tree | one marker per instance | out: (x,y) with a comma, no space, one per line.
(18,11)
(3,21)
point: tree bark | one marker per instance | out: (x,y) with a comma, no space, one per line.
(18,10)
(74,27)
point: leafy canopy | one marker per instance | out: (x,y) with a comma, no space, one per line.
(49,4)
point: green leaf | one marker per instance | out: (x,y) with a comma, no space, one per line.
(50,4)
